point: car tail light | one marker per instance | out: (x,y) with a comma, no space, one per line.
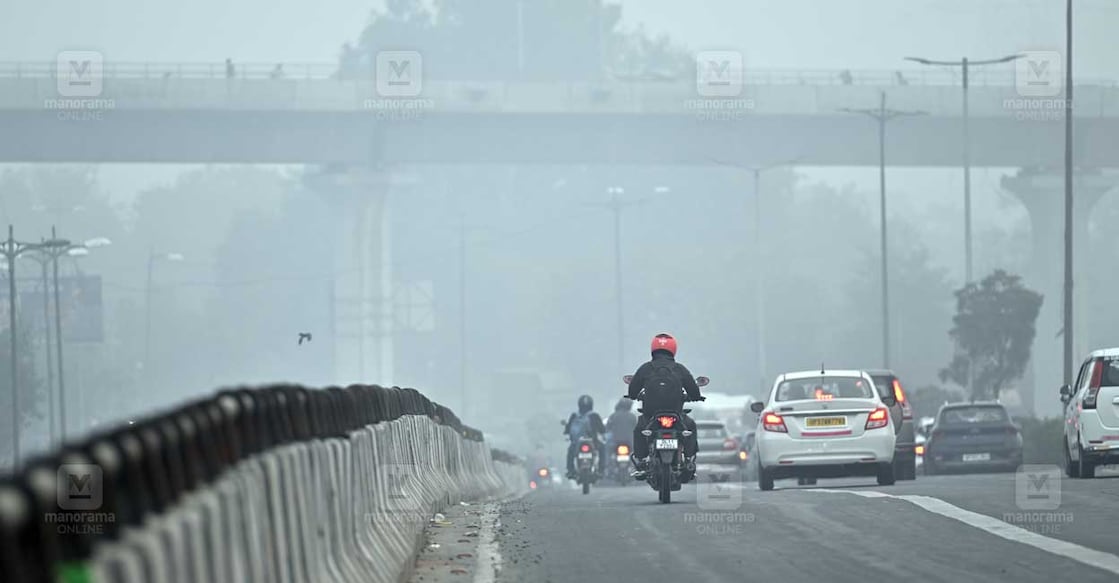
(1094,386)
(730,443)
(666,421)
(623,450)
(919,450)
(878,418)
(543,472)
(774,422)
(899,394)
(532,484)
(742,455)
(585,447)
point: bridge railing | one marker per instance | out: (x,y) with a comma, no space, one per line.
(983,76)
(280,484)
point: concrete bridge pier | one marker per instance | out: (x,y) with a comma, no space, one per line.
(1041,190)
(362,307)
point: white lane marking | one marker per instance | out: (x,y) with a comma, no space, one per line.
(1091,557)
(489,556)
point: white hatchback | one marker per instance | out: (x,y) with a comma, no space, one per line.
(824,424)
(1092,415)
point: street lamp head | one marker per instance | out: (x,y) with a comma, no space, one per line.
(919,60)
(174,257)
(77,252)
(662,189)
(97,242)
(56,243)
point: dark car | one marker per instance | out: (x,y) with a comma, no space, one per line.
(718,451)
(905,452)
(973,436)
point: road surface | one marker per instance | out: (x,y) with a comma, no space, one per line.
(938,528)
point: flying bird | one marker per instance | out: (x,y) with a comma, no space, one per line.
(304,336)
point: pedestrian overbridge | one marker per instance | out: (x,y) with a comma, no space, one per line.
(307,114)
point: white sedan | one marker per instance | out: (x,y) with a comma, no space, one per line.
(824,424)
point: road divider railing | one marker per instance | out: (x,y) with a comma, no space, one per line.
(276,484)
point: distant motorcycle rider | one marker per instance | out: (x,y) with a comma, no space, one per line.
(620,424)
(665,382)
(585,423)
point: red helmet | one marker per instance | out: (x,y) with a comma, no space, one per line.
(664,342)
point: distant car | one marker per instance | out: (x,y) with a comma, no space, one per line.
(1092,415)
(905,457)
(966,436)
(825,424)
(718,451)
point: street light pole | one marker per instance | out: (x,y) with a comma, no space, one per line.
(58,343)
(52,412)
(152,257)
(462,312)
(965,66)
(1067,316)
(760,262)
(882,115)
(11,251)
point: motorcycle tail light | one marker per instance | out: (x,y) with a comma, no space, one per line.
(623,450)
(585,447)
(666,421)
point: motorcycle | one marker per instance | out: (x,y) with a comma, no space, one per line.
(586,459)
(619,470)
(666,433)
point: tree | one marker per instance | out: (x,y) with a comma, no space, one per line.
(993,330)
(927,399)
(573,40)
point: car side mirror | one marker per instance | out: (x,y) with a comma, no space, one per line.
(757,406)
(702,381)
(627,379)
(1066,393)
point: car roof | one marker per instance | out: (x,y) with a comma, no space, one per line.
(815,374)
(1104,352)
(973,404)
(880,372)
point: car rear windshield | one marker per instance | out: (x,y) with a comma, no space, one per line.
(1110,376)
(824,388)
(710,432)
(969,415)
(883,382)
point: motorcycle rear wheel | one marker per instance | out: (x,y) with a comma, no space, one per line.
(665,484)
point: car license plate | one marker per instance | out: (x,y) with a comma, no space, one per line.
(667,444)
(826,421)
(977,457)
(585,456)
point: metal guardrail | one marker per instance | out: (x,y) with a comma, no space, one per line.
(325,71)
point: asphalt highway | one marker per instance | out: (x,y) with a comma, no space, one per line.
(1031,527)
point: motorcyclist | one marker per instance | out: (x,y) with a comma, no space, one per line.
(620,424)
(662,366)
(585,423)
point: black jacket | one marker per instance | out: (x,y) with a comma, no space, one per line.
(621,424)
(639,378)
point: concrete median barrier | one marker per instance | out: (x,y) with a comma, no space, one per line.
(280,484)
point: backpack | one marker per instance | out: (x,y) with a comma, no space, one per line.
(664,387)
(580,425)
